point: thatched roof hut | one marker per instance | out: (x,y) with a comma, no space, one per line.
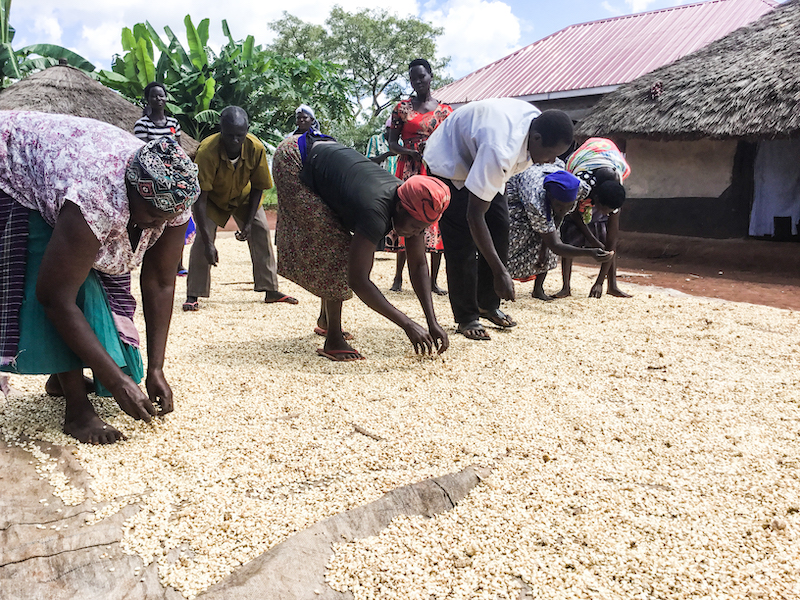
(743,86)
(69,91)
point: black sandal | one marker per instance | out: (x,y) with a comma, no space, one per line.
(499,318)
(473,331)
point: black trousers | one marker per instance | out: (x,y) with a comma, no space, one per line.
(470,281)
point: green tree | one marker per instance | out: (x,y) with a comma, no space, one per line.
(298,38)
(373,46)
(16,64)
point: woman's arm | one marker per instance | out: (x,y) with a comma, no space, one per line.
(158,290)
(359,267)
(421,282)
(577,218)
(65,265)
(553,241)
(397,148)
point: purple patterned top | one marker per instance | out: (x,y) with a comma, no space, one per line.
(46,159)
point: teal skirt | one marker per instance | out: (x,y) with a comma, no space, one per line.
(41,348)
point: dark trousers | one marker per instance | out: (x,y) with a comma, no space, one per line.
(470,281)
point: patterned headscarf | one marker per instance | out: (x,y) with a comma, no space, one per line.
(424,198)
(163,175)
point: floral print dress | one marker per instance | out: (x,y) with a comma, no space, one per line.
(530,217)
(415,128)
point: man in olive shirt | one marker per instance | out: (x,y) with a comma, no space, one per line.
(233,174)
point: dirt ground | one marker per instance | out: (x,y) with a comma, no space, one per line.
(754,271)
(738,286)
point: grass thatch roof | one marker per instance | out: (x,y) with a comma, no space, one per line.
(745,85)
(69,91)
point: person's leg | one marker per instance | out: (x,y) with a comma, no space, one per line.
(436,261)
(182,272)
(322,320)
(566,278)
(613,288)
(52,386)
(612,235)
(198,281)
(538,288)
(461,256)
(80,419)
(262,255)
(397,284)
(497,221)
(336,347)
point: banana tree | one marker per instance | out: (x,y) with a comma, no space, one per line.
(186,75)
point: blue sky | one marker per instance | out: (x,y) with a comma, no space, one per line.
(476,31)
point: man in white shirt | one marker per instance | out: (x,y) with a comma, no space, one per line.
(476,150)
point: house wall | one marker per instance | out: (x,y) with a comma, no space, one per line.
(700,169)
(701,188)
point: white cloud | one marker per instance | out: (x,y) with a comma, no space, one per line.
(477,32)
(612,10)
(48,26)
(99,44)
(639,5)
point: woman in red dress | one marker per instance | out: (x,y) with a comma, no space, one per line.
(413,121)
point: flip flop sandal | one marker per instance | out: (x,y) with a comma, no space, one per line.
(473,331)
(283,298)
(324,333)
(340,355)
(191,306)
(499,318)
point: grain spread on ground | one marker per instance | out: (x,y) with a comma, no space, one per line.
(647,447)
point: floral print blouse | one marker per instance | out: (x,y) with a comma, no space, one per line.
(48,159)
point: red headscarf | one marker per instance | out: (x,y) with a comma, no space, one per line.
(424,198)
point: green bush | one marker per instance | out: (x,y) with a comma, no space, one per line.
(270,199)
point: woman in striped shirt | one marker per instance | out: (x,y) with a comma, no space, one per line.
(154,122)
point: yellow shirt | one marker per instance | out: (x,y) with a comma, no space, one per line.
(229,185)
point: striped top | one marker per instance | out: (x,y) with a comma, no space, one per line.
(146,130)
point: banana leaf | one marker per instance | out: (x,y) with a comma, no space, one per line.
(247,49)
(176,46)
(140,33)
(8,61)
(197,53)
(110,78)
(145,69)
(206,94)
(207,117)
(227,32)
(56,52)
(6,31)
(202,31)
(128,40)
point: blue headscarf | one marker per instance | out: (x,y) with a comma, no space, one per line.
(562,186)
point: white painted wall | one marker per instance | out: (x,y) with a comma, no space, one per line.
(701,169)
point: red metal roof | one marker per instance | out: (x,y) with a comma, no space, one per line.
(586,58)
